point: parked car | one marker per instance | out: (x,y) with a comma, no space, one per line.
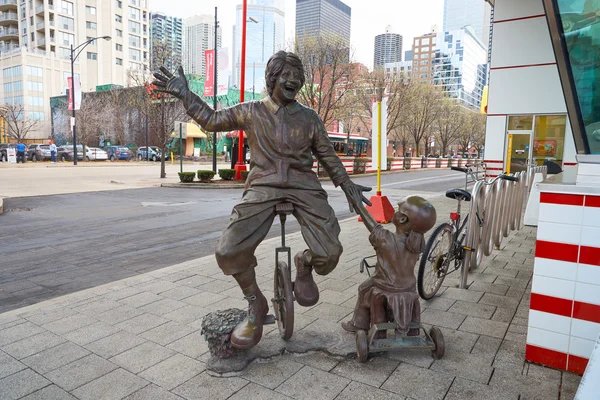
(95,154)
(79,151)
(3,152)
(31,149)
(118,153)
(64,153)
(154,153)
(39,152)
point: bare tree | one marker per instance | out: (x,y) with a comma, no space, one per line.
(423,111)
(450,122)
(329,75)
(476,126)
(18,122)
(165,110)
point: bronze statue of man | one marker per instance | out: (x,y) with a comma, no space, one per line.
(283,135)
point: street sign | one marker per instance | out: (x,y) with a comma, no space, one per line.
(11,154)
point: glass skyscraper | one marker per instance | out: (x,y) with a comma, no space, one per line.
(263,39)
(476,13)
(322,18)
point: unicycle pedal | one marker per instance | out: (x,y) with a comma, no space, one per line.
(269,319)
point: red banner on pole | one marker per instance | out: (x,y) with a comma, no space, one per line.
(77,93)
(209,82)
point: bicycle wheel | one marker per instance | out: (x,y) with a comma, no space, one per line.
(283,302)
(435,261)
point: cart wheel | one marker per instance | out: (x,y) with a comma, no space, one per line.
(438,340)
(283,303)
(362,347)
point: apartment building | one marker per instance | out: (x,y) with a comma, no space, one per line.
(388,48)
(199,37)
(454,60)
(168,31)
(35,47)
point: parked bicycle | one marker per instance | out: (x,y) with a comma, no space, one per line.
(445,252)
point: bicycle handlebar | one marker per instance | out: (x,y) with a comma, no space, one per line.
(459,169)
(509,178)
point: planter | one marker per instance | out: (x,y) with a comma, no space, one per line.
(407,163)
(360,165)
(438,163)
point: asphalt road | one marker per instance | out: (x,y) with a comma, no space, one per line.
(59,244)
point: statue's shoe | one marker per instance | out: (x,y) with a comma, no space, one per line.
(248,333)
(306,291)
(349,327)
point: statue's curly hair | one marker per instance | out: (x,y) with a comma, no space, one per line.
(276,64)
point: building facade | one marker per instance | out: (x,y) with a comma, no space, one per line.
(456,61)
(35,63)
(199,37)
(476,13)
(264,38)
(388,48)
(167,32)
(316,18)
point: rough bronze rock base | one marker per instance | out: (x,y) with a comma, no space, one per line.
(320,335)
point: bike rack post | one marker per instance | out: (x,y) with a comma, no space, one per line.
(470,244)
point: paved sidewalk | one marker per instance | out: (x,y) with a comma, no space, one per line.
(139,338)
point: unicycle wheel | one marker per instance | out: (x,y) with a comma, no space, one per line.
(283,301)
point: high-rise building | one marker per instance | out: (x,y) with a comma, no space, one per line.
(388,48)
(455,60)
(477,14)
(168,31)
(199,36)
(35,47)
(265,35)
(316,18)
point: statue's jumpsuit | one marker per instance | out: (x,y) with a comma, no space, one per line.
(282,141)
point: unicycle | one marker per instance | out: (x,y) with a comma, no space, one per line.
(283,300)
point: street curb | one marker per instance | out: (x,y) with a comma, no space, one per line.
(213,185)
(202,185)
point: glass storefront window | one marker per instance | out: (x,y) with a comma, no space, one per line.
(549,139)
(581,38)
(520,123)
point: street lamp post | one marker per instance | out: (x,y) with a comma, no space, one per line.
(73,58)
(241,165)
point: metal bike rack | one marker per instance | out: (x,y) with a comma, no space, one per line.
(502,203)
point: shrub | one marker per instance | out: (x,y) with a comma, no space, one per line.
(186,176)
(245,175)
(227,174)
(205,175)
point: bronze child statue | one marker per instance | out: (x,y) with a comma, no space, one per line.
(283,135)
(394,282)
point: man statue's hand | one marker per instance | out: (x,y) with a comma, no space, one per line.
(354,194)
(168,83)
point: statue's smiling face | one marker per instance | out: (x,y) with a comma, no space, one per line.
(287,85)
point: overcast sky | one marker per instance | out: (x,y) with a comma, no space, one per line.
(409,18)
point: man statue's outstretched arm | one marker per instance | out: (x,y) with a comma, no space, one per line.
(232,118)
(335,169)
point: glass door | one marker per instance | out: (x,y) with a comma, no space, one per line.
(518,156)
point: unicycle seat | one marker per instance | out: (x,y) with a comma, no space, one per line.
(284,208)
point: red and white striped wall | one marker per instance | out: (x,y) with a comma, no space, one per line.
(564,317)
(493,168)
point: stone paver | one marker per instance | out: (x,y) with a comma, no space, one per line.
(21,383)
(139,338)
(312,384)
(114,385)
(418,383)
(80,372)
(204,386)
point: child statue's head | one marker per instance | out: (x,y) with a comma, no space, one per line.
(415,216)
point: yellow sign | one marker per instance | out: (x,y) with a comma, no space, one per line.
(509,153)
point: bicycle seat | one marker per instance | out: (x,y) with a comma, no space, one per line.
(458,194)
(284,208)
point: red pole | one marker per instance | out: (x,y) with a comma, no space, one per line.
(241,165)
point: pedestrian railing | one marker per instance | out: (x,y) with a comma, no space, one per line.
(496,210)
